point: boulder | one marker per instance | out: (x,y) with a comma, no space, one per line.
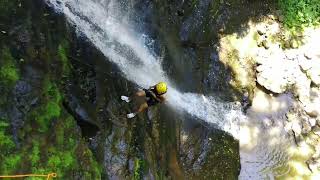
(306,126)
(278,74)
(313,164)
(314,73)
(316,130)
(296,127)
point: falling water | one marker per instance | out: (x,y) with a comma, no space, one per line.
(105,24)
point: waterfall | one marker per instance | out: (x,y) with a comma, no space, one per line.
(105,24)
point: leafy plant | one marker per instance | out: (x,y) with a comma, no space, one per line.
(300,13)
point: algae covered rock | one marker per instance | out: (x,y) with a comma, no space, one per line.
(60,110)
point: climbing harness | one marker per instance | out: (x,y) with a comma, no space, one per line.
(49,176)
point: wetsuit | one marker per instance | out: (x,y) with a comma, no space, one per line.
(151,101)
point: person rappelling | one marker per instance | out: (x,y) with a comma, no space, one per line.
(152,96)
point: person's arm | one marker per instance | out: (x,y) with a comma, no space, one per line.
(159,99)
(151,87)
(162,99)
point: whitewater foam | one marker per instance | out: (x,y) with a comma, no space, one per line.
(106,25)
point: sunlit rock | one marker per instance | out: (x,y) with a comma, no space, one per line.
(313,165)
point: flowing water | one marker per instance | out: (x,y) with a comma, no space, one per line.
(264,143)
(106,23)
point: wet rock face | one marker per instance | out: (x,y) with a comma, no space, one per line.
(34,123)
(204,151)
(66,83)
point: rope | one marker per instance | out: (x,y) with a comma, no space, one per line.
(49,176)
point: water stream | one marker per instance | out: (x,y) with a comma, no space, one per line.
(106,24)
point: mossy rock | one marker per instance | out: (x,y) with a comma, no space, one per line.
(9,73)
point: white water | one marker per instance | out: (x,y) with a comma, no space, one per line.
(105,24)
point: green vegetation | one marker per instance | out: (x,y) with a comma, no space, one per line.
(6,143)
(9,160)
(300,13)
(53,150)
(44,114)
(138,169)
(62,53)
(49,140)
(35,153)
(8,72)
(10,163)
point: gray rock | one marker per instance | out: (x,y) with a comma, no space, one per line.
(306,127)
(312,122)
(308,55)
(261,32)
(311,110)
(265,44)
(298,139)
(313,113)
(316,154)
(296,128)
(313,165)
(316,130)
(314,73)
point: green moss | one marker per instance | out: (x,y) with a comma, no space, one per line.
(60,136)
(8,160)
(138,169)
(35,153)
(11,163)
(8,72)
(61,130)
(222,160)
(51,108)
(62,53)
(6,143)
(45,114)
(52,92)
(60,161)
(86,162)
(300,14)
(49,140)
(54,161)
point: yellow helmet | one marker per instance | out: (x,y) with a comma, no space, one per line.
(161,88)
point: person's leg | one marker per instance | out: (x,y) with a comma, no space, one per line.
(142,107)
(139,93)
